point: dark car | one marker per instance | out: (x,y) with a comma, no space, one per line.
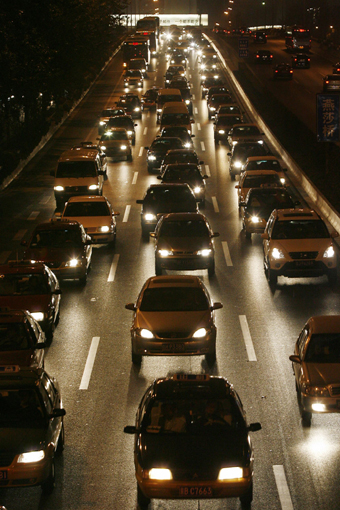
(331,83)
(240,152)
(31,427)
(172,71)
(217,89)
(259,204)
(336,68)
(215,101)
(158,149)
(223,124)
(131,105)
(263,57)
(64,247)
(189,173)
(184,241)
(124,121)
(30,285)
(301,61)
(231,109)
(165,198)
(148,99)
(106,115)
(178,132)
(210,80)
(260,37)
(22,340)
(178,59)
(283,71)
(180,156)
(192,441)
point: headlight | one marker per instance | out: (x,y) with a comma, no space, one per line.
(103,147)
(200,333)
(204,253)
(149,217)
(283,180)
(172,61)
(93,186)
(260,142)
(202,66)
(30,457)
(221,131)
(160,109)
(255,219)
(234,142)
(238,164)
(145,333)
(329,253)
(104,229)
(129,133)
(123,147)
(230,473)
(165,253)
(58,188)
(212,108)
(102,123)
(73,263)
(316,391)
(187,145)
(319,408)
(183,61)
(277,254)
(38,316)
(136,109)
(160,474)
(197,189)
(216,76)
(139,85)
(152,157)
(204,77)
(187,101)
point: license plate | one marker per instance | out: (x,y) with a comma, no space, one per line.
(195,492)
(173,347)
(304,263)
(3,475)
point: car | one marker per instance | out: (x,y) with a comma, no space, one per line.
(260,37)
(178,132)
(124,121)
(30,285)
(63,246)
(159,147)
(133,78)
(217,89)
(283,70)
(297,244)
(336,68)
(178,59)
(115,142)
(166,320)
(215,101)
(131,105)
(255,179)
(301,61)
(180,156)
(245,133)
(185,93)
(148,100)
(22,340)
(191,441)
(316,367)
(172,71)
(223,124)
(140,64)
(164,198)
(240,153)
(210,79)
(263,57)
(228,109)
(189,173)
(31,415)
(184,241)
(209,63)
(166,95)
(259,204)
(331,83)
(96,215)
(265,163)
(110,111)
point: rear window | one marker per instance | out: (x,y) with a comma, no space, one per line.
(56,238)
(184,228)
(175,118)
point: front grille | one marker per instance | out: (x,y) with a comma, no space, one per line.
(78,189)
(176,252)
(192,475)
(53,264)
(6,458)
(303,255)
(335,390)
(173,334)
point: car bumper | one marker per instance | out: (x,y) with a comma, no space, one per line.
(331,404)
(69,273)
(185,262)
(174,346)
(25,475)
(303,268)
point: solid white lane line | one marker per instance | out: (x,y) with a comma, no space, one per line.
(135,175)
(247,338)
(19,235)
(113,268)
(33,215)
(195,111)
(145,131)
(140,152)
(198,126)
(202,146)
(215,204)
(4,256)
(226,253)
(127,212)
(207,170)
(282,487)
(89,363)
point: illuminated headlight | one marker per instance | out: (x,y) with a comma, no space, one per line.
(104,229)
(38,316)
(204,77)
(216,76)
(160,474)
(204,253)
(187,145)
(283,180)
(221,131)
(102,123)
(202,66)
(129,133)
(149,217)
(277,254)
(103,147)
(200,333)
(214,66)
(93,187)
(144,70)
(316,391)
(319,408)
(30,457)
(160,109)
(238,164)
(197,189)
(73,263)
(172,61)
(165,253)
(199,52)
(139,85)
(168,36)
(152,157)
(230,473)
(123,147)
(187,101)
(260,142)
(234,142)
(146,333)
(329,253)
(255,219)
(136,109)
(58,188)
(183,61)
(212,108)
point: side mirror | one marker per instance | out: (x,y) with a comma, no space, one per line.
(57,292)
(284,169)
(153,234)
(192,136)
(130,429)
(265,235)
(215,234)
(254,427)
(242,204)
(228,153)
(216,306)
(130,306)
(159,177)
(295,359)
(333,234)
(56,413)
(135,125)
(205,177)
(192,121)
(116,213)
(58,214)
(237,186)
(40,345)
(88,242)
(146,148)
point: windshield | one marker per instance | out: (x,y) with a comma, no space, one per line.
(245,151)
(246,130)
(324,348)
(174,299)
(255,181)
(134,73)
(21,409)
(181,158)
(13,337)
(184,229)
(175,118)
(123,122)
(56,238)
(169,98)
(183,175)
(275,199)
(264,165)
(111,113)
(23,284)
(167,200)
(220,99)
(114,135)
(86,209)
(300,229)
(164,145)
(228,121)
(229,109)
(76,169)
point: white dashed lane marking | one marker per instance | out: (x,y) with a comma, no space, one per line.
(282,487)
(135,175)
(215,204)
(89,363)
(113,268)
(226,253)
(247,338)
(127,212)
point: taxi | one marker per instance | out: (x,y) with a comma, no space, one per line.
(192,441)
(116,143)
(31,427)
(255,179)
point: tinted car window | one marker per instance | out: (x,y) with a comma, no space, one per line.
(300,229)
(76,169)
(23,284)
(184,229)
(324,348)
(86,209)
(174,299)
(13,337)
(56,238)
(20,408)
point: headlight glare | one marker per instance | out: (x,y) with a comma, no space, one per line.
(93,187)
(230,473)
(38,316)
(145,333)
(200,333)
(329,253)
(30,457)
(105,228)
(160,474)
(277,254)
(164,253)
(58,188)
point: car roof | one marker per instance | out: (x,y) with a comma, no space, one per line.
(296,214)
(58,224)
(166,92)
(15,377)
(87,198)
(262,158)
(22,267)
(185,216)
(79,153)
(259,172)
(324,324)
(174,281)
(168,185)
(209,386)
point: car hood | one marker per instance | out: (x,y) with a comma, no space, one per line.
(32,303)
(293,245)
(183,243)
(172,321)
(91,221)
(54,254)
(21,440)
(321,374)
(184,451)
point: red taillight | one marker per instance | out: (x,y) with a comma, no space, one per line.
(271,56)
(291,72)
(327,82)
(257,56)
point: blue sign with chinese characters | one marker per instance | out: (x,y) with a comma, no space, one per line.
(327,111)
(243,43)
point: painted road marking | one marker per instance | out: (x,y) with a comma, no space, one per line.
(198,126)
(215,204)
(19,235)
(113,268)
(140,152)
(135,175)
(145,131)
(247,338)
(33,215)
(195,110)
(226,253)
(202,146)
(207,170)
(89,363)
(127,212)
(282,487)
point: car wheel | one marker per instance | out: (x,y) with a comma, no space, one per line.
(134,141)
(129,157)
(332,276)
(158,269)
(145,234)
(143,501)
(247,498)
(136,358)
(232,176)
(48,485)
(272,277)
(306,418)
(83,280)
(210,358)
(211,268)
(61,441)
